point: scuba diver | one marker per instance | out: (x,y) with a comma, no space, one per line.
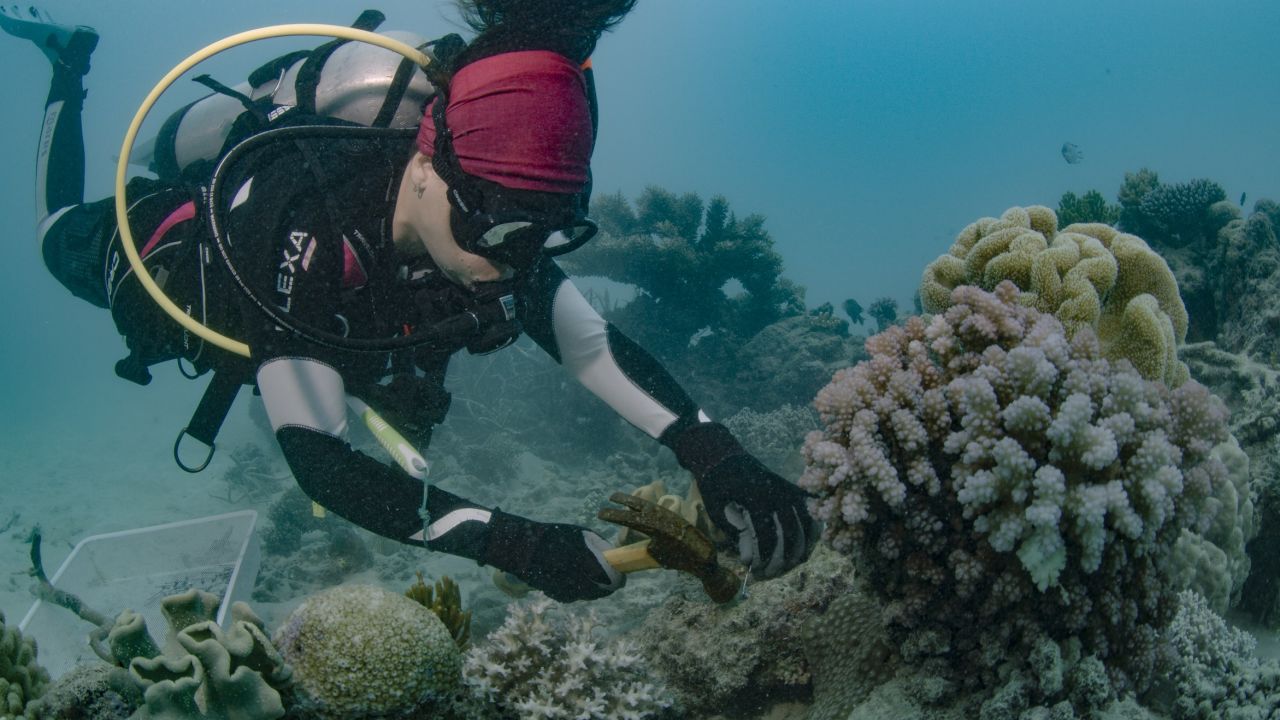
(342,237)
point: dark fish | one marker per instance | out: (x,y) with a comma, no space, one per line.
(1241,199)
(1072,153)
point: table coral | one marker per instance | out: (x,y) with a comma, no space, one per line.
(361,651)
(1000,481)
(1087,275)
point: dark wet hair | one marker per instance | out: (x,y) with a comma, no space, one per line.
(569,27)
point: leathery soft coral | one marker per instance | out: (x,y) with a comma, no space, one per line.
(999,482)
(545,662)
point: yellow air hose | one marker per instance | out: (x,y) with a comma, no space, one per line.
(122,208)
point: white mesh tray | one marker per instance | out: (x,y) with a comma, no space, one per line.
(135,569)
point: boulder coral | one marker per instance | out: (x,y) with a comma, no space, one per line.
(999,481)
(1086,275)
(361,651)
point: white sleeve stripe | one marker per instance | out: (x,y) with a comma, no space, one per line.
(302,392)
(242,194)
(582,338)
(453,519)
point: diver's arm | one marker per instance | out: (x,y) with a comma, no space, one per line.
(611,365)
(761,512)
(306,402)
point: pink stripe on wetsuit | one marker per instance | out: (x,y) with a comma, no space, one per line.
(353,274)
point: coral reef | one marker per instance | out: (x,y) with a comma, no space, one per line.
(91,692)
(785,363)
(775,436)
(1088,208)
(739,657)
(444,598)
(999,482)
(361,651)
(884,311)
(699,271)
(1175,215)
(1227,266)
(1209,670)
(1086,275)
(1252,390)
(849,654)
(22,680)
(203,671)
(546,663)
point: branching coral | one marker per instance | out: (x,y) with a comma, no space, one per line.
(546,663)
(997,479)
(1087,275)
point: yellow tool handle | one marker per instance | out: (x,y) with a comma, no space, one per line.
(631,558)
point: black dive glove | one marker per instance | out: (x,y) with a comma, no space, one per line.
(763,513)
(564,561)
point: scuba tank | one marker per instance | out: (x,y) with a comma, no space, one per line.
(355,82)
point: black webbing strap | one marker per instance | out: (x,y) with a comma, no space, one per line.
(395,93)
(212,411)
(309,74)
(462,192)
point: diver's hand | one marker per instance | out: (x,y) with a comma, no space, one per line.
(759,510)
(564,561)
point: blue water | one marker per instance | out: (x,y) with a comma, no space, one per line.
(868,133)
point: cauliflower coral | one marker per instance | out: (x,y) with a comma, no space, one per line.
(1000,481)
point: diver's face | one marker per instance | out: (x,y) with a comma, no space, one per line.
(421,222)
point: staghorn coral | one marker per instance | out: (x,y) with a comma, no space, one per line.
(22,680)
(361,651)
(1087,275)
(998,482)
(545,662)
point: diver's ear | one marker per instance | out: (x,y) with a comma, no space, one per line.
(421,174)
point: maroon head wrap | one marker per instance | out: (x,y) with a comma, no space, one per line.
(519,119)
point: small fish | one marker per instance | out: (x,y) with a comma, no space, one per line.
(1241,199)
(1072,153)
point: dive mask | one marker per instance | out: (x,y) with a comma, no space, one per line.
(512,227)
